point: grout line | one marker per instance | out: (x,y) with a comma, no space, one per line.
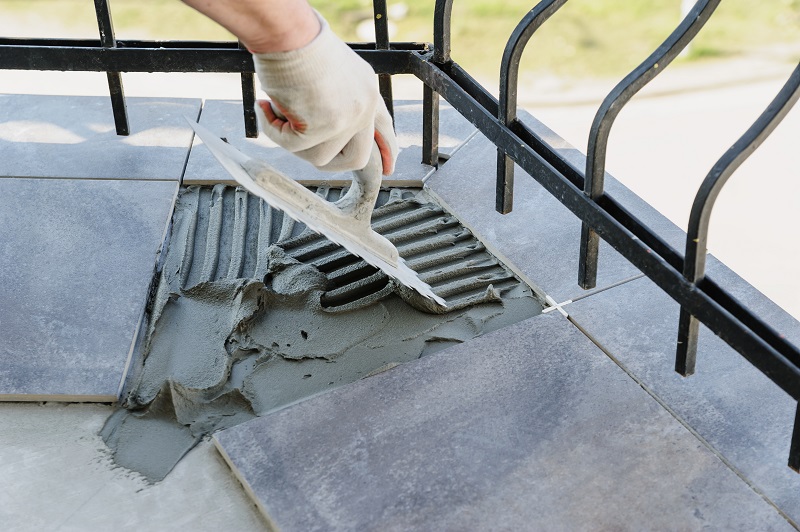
(67,178)
(560,306)
(683,422)
(191,142)
(603,289)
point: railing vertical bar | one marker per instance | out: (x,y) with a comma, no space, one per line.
(382,43)
(694,263)
(249,102)
(607,113)
(115,89)
(794,448)
(509,77)
(430,126)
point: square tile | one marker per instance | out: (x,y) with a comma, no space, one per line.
(224,118)
(74,136)
(539,239)
(77,258)
(730,403)
(531,426)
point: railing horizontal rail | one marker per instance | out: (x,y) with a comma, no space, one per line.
(165,56)
(770,352)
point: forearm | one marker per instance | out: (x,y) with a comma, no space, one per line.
(264,25)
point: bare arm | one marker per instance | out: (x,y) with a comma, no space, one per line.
(264,25)
(325,106)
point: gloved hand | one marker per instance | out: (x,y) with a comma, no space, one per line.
(325,105)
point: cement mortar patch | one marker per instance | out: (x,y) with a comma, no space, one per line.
(254,312)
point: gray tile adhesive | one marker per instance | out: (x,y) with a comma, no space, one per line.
(253,312)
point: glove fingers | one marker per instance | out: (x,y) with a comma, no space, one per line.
(354,154)
(279,129)
(385,138)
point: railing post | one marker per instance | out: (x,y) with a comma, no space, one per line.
(382,43)
(249,102)
(116,91)
(794,448)
(430,98)
(430,126)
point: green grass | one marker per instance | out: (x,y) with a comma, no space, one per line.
(585,38)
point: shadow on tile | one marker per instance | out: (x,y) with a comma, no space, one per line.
(74,137)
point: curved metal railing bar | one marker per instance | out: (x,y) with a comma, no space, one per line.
(694,263)
(441,31)
(607,113)
(509,77)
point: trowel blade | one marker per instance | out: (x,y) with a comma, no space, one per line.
(285,194)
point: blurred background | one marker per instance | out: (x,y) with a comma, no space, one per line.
(662,144)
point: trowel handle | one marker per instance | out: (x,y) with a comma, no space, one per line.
(360,199)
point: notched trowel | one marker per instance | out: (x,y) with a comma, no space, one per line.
(345,222)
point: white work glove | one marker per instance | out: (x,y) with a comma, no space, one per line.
(325,105)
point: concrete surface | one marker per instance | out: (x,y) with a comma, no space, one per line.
(224,118)
(77,258)
(528,427)
(56,474)
(53,136)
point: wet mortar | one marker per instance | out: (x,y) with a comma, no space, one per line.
(253,312)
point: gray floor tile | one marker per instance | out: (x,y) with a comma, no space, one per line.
(224,118)
(528,427)
(77,258)
(738,410)
(74,136)
(540,236)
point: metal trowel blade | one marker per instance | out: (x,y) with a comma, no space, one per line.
(287,195)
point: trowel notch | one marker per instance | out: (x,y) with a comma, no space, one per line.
(347,222)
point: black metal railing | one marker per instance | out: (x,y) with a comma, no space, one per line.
(681,276)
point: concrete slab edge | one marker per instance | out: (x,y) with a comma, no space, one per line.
(245,485)
(56,398)
(138,332)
